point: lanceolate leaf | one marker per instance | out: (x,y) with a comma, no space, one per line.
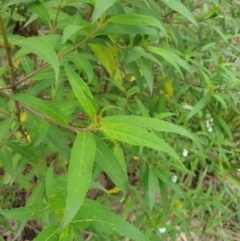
(152,186)
(177,6)
(27,213)
(109,164)
(42,49)
(108,222)
(42,12)
(82,92)
(49,234)
(150,123)
(46,108)
(79,174)
(100,7)
(137,136)
(138,19)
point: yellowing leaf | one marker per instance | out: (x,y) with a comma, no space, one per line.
(114,190)
(135,158)
(23,116)
(108,56)
(169,88)
(16,63)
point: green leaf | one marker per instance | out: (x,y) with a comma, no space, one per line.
(199,106)
(30,212)
(80,62)
(42,49)
(67,234)
(164,195)
(41,11)
(137,136)
(48,109)
(27,64)
(152,187)
(56,138)
(8,3)
(109,164)
(82,93)
(79,174)
(48,234)
(138,19)
(34,198)
(54,195)
(24,151)
(69,31)
(177,6)
(147,72)
(108,222)
(5,128)
(6,159)
(150,123)
(100,7)
(39,133)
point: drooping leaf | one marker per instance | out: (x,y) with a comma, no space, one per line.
(48,234)
(48,109)
(138,19)
(42,49)
(109,164)
(40,10)
(177,6)
(100,7)
(69,31)
(79,174)
(82,93)
(108,222)
(27,213)
(134,135)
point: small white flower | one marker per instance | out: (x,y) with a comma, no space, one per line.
(185,152)
(162,230)
(210,129)
(207,123)
(174,178)
(211,120)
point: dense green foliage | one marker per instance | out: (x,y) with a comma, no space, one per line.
(143,94)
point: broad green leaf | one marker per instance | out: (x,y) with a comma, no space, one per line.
(199,106)
(177,6)
(117,29)
(108,222)
(48,109)
(108,56)
(119,154)
(48,234)
(150,123)
(79,174)
(56,138)
(137,136)
(24,151)
(152,187)
(54,195)
(109,164)
(31,212)
(69,31)
(40,10)
(39,132)
(147,72)
(80,62)
(42,49)
(100,7)
(138,19)
(82,93)
(6,159)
